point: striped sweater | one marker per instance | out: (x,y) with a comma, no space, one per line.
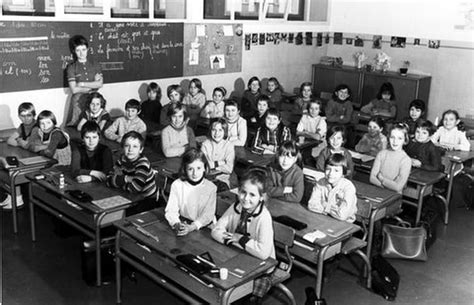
(141,176)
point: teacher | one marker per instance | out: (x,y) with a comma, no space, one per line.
(84,77)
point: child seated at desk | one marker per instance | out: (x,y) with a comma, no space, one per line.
(285,178)
(416,113)
(384,105)
(247,224)
(334,194)
(392,166)
(313,126)
(91,160)
(423,153)
(258,118)
(250,96)
(219,152)
(451,134)
(374,140)
(177,136)
(194,100)
(237,124)
(95,111)
(339,111)
(50,141)
(175,94)
(27,114)
(127,123)
(304,97)
(274,92)
(215,108)
(270,136)
(192,197)
(132,171)
(336,138)
(151,108)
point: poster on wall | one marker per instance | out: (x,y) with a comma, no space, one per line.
(434,44)
(338,38)
(358,42)
(398,42)
(377,42)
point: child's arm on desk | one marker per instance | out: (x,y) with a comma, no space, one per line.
(318,201)
(346,206)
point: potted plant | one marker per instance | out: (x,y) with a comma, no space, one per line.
(404,69)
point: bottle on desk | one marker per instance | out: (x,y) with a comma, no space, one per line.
(62,183)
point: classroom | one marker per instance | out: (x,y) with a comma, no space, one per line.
(179,87)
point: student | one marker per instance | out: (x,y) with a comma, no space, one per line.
(285,178)
(304,97)
(132,171)
(129,122)
(270,136)
(177,136)
(91,160)
(95,111)
(237,124)
(195,100)
(374,140)
(258,118)
(83,75)
(250,97)
(192,201)
(339,111)
(416,114)
(151,108)
(175,94)
(219,152)
(392,166)
(247,224)
(336,138)
(27,114)
(215,108)
(335,195)
(384,105)
(423,153)
(50,141)
(274,92)
(313,126)
(451,135)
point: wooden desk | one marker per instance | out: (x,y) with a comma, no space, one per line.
(245,156)
(84,216)
(10,177)
(317,252)
(420,184)
(157,259)
(455,157)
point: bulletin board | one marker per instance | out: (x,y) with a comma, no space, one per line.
(212,48)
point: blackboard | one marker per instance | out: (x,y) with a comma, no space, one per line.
(34,54)
(212,48)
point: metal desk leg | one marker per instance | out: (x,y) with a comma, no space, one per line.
(13,195)
(32,213)
(118,271)
(420,204)
(370,237)
(98,261)
(319,275)
(450,189)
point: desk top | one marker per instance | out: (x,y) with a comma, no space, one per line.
(371,197)
(298,212)
(459,156)
(97,190)
(197,243)
(168,166)
(21,153)
(244,155)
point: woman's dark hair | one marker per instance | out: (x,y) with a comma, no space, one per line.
(386,87)
(75,41)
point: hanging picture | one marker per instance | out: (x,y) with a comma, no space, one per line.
(416,42)
(319,39)
(338,38)
(326,38)
(247,42)
(291,37)
(348,40)
(269,37)
(358,42)
(299,38)
(398,42)
(433,44)
(261,38)
(377,42)
(284,36)
(276,38)
(309,38)
(255,39)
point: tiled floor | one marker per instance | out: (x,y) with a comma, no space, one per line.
(49,272)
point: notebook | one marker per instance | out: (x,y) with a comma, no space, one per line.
(361,157)
(111,202)
(33,160)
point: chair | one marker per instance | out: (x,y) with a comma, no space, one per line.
(355,245)
(284,238)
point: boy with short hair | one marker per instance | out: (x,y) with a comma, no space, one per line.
(270,135)
(416,113)
(423,153)
(129,122)
(334,194)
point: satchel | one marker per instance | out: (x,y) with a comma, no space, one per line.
(405,242)
(385,278)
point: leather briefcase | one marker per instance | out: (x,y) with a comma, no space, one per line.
(404,242)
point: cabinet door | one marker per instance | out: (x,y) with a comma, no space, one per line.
(327,79)
(405,90)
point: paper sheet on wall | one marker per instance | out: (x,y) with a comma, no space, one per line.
(228,30)
(217,61)
(200,30)
(193,57)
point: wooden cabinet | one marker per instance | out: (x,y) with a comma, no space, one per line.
(365,85)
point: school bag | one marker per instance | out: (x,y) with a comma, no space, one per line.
(385,279)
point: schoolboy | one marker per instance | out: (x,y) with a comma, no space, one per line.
(424,153)
(416,113)
(129,122)
(270,136)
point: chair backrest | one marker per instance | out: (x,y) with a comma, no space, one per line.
(284,238)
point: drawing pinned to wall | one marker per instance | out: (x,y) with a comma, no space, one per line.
(284,36)
(269,37)
(227,30)
(398,42)
(308,38)
(377,42)
(338,38)
(291,37)
(254,39)
(261,38)
(416,42)
(358,42)
(299,38)
(434,44)
(319,39)
(238,31)
(231,50)
(217,61)
(194,52)
(276,38)
(247,41)
(326,38)
(200,30)
(349,40)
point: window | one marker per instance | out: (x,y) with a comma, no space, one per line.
(318,10)
(216,9)
(170,9)
(130,8)
(28,7)
(83,7)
